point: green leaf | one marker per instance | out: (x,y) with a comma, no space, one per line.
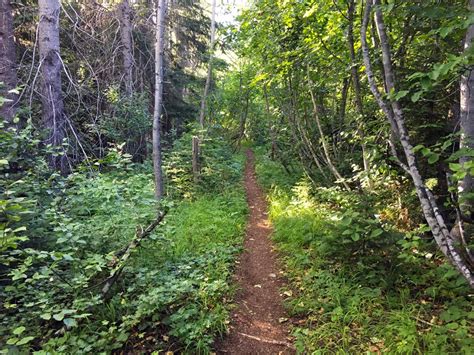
(455,166)
(12,341)
(425,151)
(376,233)
(433,158)
(19,330)
(446,145)
(3,162)
(59,316)
(46,316)
(346,221)
(401,94)
(452,326)
(418,147)
(25,340)
(70,322)
(444,31)
(416,96)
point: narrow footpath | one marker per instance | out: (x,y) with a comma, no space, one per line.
(259,323)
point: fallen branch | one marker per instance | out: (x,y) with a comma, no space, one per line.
(120,263)
(268,341)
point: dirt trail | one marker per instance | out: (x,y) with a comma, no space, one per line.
(258,323)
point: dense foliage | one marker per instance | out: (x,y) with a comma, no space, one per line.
(360,146)
(62,234)
(366,97)
(362,118)
(359,281)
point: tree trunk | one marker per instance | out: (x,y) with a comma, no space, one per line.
(51,95)
(7,63)
(159,51)
(342,107)
(309,150)
(357,86)
(317,112)
(394,113)
(466,185)
(209,69)
(125,14)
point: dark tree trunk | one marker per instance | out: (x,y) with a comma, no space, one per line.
(209,69)
(125,17)
(7,63)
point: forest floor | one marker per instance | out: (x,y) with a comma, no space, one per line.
(259,322)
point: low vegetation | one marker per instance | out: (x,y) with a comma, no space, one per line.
(358,281)
(122,210)
(172,294)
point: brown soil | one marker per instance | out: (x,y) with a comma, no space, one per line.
(259,323)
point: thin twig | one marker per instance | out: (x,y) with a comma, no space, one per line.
(268,341)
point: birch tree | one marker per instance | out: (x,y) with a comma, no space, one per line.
(54,118)
(466,124)
(159,52)
(393,111)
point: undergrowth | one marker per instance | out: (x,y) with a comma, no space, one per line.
(357,282)
(64,235)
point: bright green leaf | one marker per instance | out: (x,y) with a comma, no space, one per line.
(19,330)
(25,340)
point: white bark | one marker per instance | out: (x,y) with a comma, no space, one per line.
(159,52)
(466,124)
(394,114)
(51,67)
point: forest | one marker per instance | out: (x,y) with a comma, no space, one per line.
(242,177)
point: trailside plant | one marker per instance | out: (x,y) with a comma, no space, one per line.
(358,282)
